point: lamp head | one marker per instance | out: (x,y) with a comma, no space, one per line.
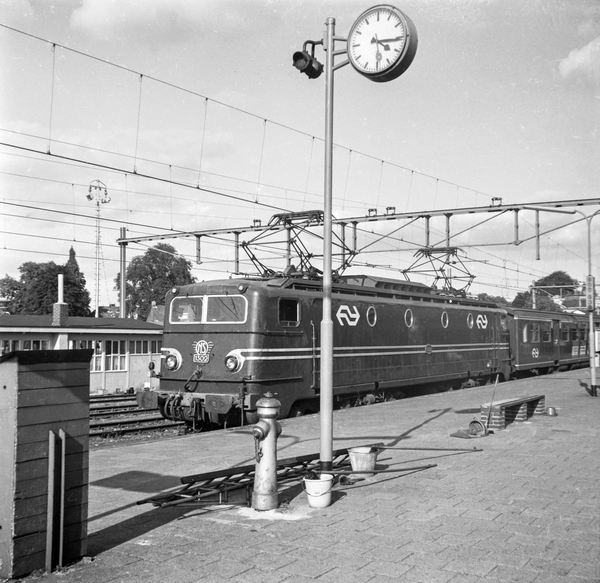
(307,64)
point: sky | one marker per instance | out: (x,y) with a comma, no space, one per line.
(191,115)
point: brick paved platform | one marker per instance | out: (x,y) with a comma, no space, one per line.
(525,509)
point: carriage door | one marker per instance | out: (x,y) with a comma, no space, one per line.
(316,315)
(556,336)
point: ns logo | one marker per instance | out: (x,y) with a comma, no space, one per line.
(202,350)
(349,315)
(481,321)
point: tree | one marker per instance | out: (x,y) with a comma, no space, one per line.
(10,289)
(557,283)
(75,292)
(496,299)
(150,276)
(565,284)
(37,290)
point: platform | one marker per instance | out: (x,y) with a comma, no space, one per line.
(526,508)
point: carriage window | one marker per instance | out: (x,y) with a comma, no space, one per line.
(546,332)
(289,312)
(564,333)
(186,309)
(535,332)
(574,334)
(525,329)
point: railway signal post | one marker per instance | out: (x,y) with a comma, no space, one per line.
(381,45)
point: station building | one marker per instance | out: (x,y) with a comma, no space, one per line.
(123,347)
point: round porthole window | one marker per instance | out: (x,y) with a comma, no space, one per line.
(470,320)
(445,319)
(372,316)
(408,318)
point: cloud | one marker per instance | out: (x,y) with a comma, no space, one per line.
(583,64)
(159,21)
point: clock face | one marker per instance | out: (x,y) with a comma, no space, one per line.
(382,43)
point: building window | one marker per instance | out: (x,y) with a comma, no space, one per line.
(144,346)
(115,355)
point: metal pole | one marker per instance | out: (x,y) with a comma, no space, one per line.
(97,257)
(591,331)
(590,280)
(326,396)
(123,275)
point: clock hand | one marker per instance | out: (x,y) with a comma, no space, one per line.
(388,40)
(375,40)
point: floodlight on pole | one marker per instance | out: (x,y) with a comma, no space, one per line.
(98,193)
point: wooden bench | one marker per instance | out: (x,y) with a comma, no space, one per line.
(507,411)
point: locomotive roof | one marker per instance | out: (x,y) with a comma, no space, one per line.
(364,285)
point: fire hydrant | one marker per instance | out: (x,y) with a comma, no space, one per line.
(266,432)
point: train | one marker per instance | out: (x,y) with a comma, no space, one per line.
(228,342)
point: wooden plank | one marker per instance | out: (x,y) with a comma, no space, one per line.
(50,502)
(30,509)
(29,544)
(24,565)
(38,468)
(512,401)
(36,415)
(29,525)
(31,506)
(39,449)
(38,397)
(40,357)
(35,433)
(70,378)
(31,488)
(8,429)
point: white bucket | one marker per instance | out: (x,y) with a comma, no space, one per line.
(319,491)
(363,458)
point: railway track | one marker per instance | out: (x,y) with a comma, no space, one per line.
(119,415)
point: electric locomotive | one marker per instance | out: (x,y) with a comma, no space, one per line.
(228,342)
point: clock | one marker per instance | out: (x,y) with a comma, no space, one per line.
(382,43)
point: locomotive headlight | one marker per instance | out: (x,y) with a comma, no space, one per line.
(171,362)
(171,358)
(232,363)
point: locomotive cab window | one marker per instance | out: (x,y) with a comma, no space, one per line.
(185,310)
(289,312)
(217,309)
